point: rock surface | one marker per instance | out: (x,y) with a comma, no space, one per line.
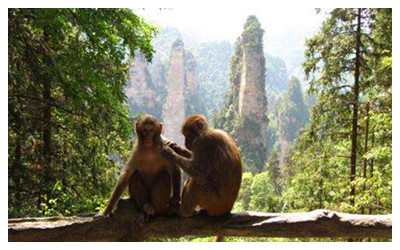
(173,108)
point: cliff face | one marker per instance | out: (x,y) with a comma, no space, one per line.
(160,80)
(236,74)
(169,94)
(252,103)
(244,114)
(252,100)
(190,73)
(293,117)
(174,109)
(141,92)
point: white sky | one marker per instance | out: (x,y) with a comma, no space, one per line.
(227,24)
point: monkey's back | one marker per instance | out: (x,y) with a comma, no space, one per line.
(223,165)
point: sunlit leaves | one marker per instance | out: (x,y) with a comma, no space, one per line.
(320,158)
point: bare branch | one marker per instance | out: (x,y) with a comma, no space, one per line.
(126,226)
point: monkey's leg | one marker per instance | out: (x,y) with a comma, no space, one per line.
(161,192)
(190,195)
(137,190)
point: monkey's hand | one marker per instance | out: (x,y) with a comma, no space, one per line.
(178,149)
(168,153)
(148,208)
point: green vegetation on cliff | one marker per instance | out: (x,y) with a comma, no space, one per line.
(244,111)
(213,72)
(292,112)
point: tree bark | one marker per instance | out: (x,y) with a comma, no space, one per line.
(353,156)
(371,170)
(365,162)
(126,225)
(47,86)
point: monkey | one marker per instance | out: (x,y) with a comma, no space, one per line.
(151,179)
(214,168)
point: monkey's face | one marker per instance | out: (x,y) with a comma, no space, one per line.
(191,129)
(148,130)
(189,141)
(148,133)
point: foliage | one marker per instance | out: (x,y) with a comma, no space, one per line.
(276,81)
(194,98)
(213,72)
(320,159)
(275,172)
(276,78)
(194,104)
(163,43)
(253,34)
(263,195)
(247,127)
(292,112)
(66,70)
(244,197)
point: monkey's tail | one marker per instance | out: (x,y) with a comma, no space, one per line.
(219,239)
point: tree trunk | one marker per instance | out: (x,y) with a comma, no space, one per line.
(46,130)
(371,170)
(17,161)
(365,151)
(47,149)
(353,156)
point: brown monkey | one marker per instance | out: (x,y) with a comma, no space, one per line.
(151,178)
(215,169)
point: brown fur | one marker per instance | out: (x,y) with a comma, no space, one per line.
(153,181)
(215,169)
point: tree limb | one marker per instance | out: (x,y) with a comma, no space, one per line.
(125,225)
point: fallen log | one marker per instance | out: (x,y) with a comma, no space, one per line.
(126,225)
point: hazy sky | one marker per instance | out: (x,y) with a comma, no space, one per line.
(227,24)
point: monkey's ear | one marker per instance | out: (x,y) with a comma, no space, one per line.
(137,125)
(199,125)
(160,128)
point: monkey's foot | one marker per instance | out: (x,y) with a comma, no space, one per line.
(149,209)
(173,210)
(201,212)
(142,218)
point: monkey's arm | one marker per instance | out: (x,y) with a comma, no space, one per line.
(188,165)
(177,148)
(181,151)
(176,176)
(118,191)
(120,186)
